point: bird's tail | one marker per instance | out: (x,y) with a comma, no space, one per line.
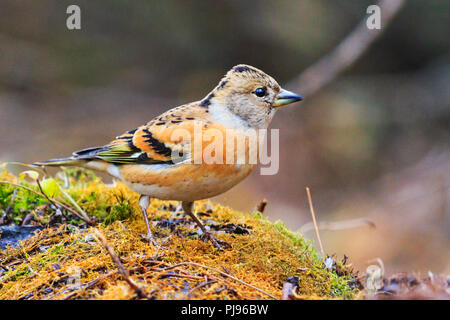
(78,158)
(70,161)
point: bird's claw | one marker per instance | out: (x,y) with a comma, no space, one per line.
(151,240)
(219,244)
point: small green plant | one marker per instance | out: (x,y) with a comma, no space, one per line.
(121,210)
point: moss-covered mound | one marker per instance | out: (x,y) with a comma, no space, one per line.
(65,260)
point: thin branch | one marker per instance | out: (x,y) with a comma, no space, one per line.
(202,284)
(88,285)
(346,53)
(101,238)
(47,197)
(188,263)
(73,202)
(177,275)
(311,208)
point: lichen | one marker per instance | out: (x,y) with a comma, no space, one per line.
(64,261)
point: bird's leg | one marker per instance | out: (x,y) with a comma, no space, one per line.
(187,207)
(144,201)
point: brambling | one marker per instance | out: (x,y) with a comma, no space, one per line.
(157,160)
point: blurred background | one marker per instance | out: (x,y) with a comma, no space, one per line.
(372,146)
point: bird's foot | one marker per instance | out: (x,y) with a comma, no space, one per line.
(219,244)
(151,240)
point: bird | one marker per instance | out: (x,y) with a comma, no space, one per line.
(156,160)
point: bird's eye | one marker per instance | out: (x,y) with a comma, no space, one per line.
(260,92)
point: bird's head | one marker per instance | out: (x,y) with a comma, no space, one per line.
(250,94)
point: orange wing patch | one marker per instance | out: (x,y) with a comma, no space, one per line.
(155,148)
(172,131)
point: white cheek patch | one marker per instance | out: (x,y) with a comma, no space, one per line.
(224,116)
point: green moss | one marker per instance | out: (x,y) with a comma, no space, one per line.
(339,284)
(19,274)
(24,201)
(265,257)
(121,210)
(6,192)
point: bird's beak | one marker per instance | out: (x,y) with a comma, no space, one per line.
(286,97)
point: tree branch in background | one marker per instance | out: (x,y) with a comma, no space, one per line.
(346,53)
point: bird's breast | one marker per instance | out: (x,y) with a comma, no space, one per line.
(184,182)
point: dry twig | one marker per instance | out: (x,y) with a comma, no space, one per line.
(177,275)
(88,285)
(311,208)
(101,238)
(45,195)
(189,263)
(203,284)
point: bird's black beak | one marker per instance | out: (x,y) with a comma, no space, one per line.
(286,97)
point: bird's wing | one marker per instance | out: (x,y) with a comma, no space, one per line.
(152,143)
